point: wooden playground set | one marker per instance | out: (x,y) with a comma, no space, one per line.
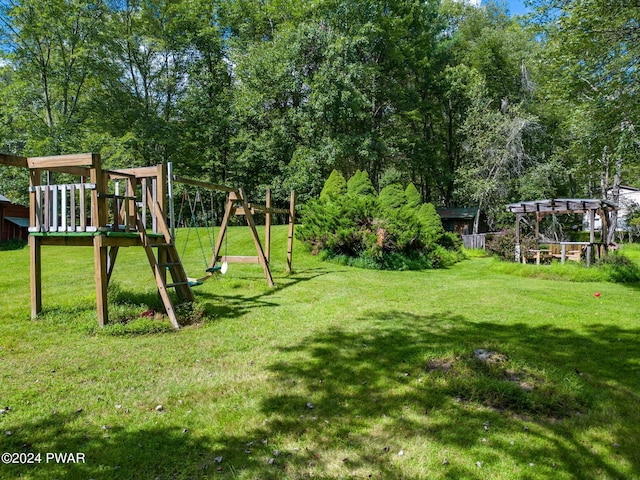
(133,207)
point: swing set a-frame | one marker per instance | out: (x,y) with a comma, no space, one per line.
(112,209)
(237,205)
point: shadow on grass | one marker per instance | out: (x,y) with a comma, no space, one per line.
(227,306)
(345,402)
(158,452)
(127,309)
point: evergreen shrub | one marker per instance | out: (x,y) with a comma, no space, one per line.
(350,225)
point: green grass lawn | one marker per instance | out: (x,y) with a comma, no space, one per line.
(337,373)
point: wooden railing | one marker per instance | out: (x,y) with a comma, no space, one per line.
(69,208)
(63,208)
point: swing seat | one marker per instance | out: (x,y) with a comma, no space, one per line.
(215,268)
(195,283)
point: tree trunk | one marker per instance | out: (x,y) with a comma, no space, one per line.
(476,220)
(615,197)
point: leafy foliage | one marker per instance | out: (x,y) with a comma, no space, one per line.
(360,184)
(375,232)
(468,105)
(335,186)
(412,195)
(618,268)
(503,244)
(392,197)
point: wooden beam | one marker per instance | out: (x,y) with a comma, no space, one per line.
(256,239)
(221,232)
(240,211)
(140,172)
(240,259)
(267,226)
(264,209)
(518,252)
(77,171)
(208,185)
(35,201)
(98,199)
(118,174)
(100,266)
(36,275)
(161,188)
(292,221)
(65,240)
(13,161)
(111,261)
(48,163)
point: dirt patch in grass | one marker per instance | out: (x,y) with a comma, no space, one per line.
(492,379)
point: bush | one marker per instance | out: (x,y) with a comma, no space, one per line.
(619,268)
(344,225)
(503,244)
(385,232)
(413,197)
(360,184)
(392,197)
(432,228)
(335,186)
(14,244)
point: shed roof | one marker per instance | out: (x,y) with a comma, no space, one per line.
(463,213)
(562,205)
(21,222)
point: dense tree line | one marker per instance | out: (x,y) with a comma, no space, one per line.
(471,106)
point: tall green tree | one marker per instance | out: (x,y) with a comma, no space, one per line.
(485,68)
(56,51)
(591,51)
(206,110)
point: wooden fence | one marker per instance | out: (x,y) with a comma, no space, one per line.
(474,241)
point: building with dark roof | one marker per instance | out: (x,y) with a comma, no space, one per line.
(14,220)
(460,220)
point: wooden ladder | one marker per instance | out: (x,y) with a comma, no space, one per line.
(167,259)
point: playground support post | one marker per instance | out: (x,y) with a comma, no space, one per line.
(292,221)
(267,226)
(36,275)
(172,212)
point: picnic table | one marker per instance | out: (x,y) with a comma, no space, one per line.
(563,250)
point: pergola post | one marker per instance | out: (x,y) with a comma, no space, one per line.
(592,235)
(605,233)
(517,252)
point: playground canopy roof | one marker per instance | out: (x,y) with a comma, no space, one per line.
(562,205)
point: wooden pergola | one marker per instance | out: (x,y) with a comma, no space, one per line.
(566,206)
